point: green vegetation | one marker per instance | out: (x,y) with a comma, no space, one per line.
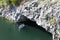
(13,2)
(52,21)
(3,2)
(6,20)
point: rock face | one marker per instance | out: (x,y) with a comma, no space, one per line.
(45,13)
(12,13)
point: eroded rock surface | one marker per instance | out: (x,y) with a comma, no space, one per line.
(12,13)
(45,13)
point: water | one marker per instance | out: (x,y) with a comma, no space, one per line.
(9,31)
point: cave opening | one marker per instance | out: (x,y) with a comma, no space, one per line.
(32,24)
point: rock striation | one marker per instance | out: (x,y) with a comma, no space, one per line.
(45,13)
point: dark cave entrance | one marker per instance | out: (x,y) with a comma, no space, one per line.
(32,23)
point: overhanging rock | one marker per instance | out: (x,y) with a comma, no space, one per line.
(45,14)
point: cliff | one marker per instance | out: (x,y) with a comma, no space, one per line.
(45,13)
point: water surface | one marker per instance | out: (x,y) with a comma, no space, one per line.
(9,31)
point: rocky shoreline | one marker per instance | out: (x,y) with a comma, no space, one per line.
(45,13)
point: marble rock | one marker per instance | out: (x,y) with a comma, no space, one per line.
(46,15)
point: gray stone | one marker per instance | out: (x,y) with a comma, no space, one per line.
(46,14)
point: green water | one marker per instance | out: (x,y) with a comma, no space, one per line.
(9,31)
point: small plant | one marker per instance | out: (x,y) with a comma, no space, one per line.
(52,21)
